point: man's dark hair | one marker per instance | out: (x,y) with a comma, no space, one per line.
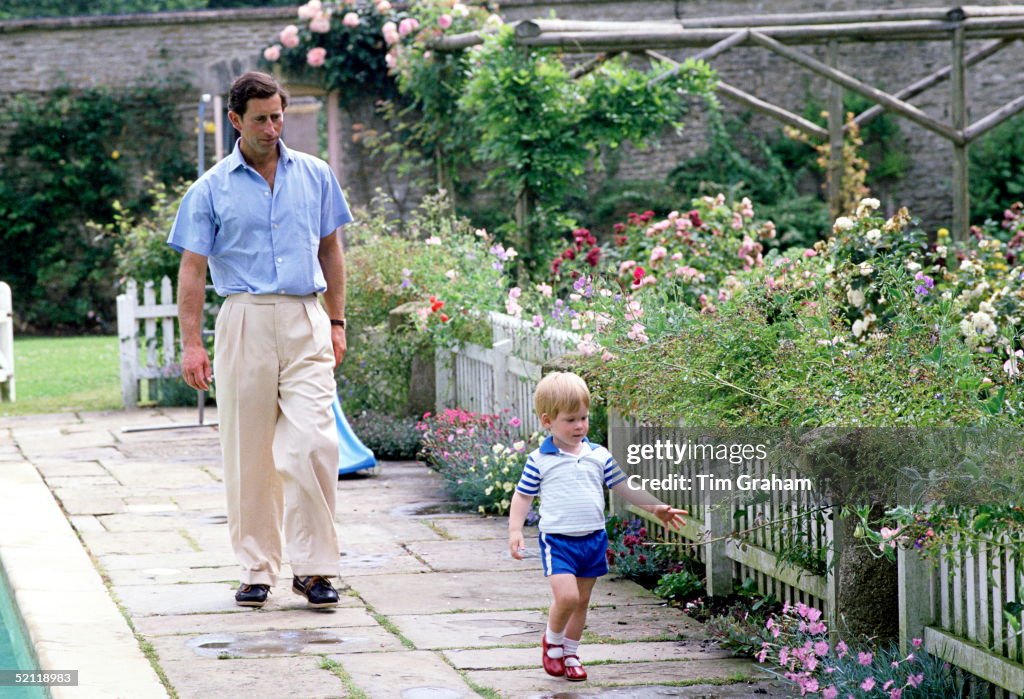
(254,85)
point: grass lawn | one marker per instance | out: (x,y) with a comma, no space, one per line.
(61,374)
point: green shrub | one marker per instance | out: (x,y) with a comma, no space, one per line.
(678,586)
(630,554)
(69,158)
(997,170)
(386,436)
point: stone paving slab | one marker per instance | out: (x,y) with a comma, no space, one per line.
(505,658)
(375,559)
(408,674)
(256,620)
(276,643)
(253,678)
(519,683)
(473,528)
(450,592)
(106,543)
(173,576)
(467,555)
(384,530)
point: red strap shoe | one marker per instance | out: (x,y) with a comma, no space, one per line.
(553,666)
(574,673)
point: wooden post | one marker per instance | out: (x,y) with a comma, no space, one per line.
(915,596)
(961,197)
(717,525)
(834,539)
(836,118)
(499,365)
(6,344)
(127,331)
(444,365)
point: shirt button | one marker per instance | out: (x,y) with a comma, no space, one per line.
(280,259)
(266,194)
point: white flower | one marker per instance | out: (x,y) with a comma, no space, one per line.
(865,268)
(460,10)
(873,236)
(433,240)
(310,9)
(1011,365)
(855,297)
(451,274)
(941,250)
(913,266)
(843,223)
(867,205)
(986,307)
(859,326)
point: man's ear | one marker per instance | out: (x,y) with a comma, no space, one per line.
(235,120)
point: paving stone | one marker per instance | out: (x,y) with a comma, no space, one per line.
(89,505)
(464,555)
(105,543)
(163,520)
(384,530)
(503,658)
(256,620)
(520,683)
(190,559)
(475,529)
(277,642)
(449,592)
(86,523)
(199,598)
(296,676)
(375,559)
(53,468)
(409,675)
(166,476)
(174,576)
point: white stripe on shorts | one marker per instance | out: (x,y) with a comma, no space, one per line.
(547,554)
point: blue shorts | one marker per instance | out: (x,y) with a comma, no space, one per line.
(583,556)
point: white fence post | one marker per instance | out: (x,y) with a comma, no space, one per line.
(127,335)
(6,344)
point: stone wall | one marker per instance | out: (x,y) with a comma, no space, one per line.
(210,47)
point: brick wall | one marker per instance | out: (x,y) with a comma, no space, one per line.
(210,47)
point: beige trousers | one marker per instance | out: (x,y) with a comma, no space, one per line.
(274,371)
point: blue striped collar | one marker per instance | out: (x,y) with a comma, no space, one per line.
(548,447)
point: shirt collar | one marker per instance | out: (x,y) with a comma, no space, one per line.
(548,447)
(236,160)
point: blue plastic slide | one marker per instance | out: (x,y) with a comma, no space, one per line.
(354,454)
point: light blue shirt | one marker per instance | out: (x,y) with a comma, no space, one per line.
(260,241)
(571,486)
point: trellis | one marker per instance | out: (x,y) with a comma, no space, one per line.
(1001,26)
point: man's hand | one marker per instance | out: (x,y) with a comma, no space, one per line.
(195,368)
(516,545)
(339,343)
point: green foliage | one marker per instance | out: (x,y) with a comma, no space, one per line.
(386,436)
(539,128)
(678,586)
(68,160)
(631,555)
(997,170)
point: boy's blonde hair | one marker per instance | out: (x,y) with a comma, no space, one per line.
(560,392)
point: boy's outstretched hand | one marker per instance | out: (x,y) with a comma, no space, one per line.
(669,516)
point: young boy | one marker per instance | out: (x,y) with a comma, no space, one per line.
(569,473)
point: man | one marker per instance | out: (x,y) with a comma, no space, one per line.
(267,221)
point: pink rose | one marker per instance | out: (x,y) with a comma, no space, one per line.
(321,24)
(444,21)
(383,6)
(391,61)
(390,32)
(350,20)
(316,56)
(289,36)
(309,10)
(272,53)
(407,26)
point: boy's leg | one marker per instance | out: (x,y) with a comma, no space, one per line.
(574,670)
(565,594)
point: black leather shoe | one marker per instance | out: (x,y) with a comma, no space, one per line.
(252,595)
(317,591)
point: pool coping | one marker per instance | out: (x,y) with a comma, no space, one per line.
(71,619)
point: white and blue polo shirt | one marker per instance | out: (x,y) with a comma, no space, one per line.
(570,486)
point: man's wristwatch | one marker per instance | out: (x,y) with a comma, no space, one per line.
(339,322)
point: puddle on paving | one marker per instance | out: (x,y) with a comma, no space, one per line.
(431,693)
(214,519)
(270,643)
(423,509)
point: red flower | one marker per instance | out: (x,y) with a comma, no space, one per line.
(435,304)
(621,240)
(556,265)
(647,216)
(638,274)
(444,317)
(593,256)
(569,254)
(695,218)
(620,228)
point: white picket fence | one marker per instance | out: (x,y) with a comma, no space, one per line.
(7,391)
(503,376)
(151,353)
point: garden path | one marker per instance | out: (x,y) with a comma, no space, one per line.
(436,607)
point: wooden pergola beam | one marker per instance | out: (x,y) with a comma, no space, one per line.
(591,65)
(707,54)
(935,78)
(850,83)
(994,119)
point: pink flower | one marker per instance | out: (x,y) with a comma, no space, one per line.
(407,26)
(888,538)
(515,422)
(310,9)
(321,24)
(821,648)
(444,21)
(390,32)
(868,684)
(896,693)
(272,53)
(916,642)
(289,36)
(915,680)
(316,56)
(383,6)
(390,61)
(829,692)
(865,658)
(842,649)
(350,20)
